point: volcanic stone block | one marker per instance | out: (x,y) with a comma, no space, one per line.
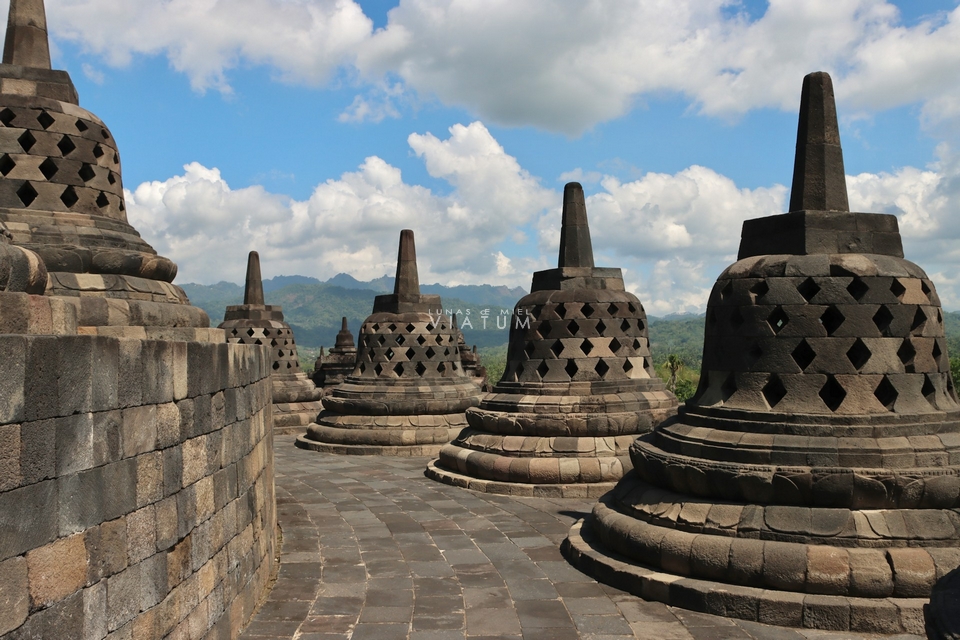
(826,412)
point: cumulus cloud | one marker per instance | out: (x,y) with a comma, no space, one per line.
(351,224)
(555,64)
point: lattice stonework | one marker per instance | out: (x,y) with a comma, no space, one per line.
(573,342)
(283,347)
(414,347)
(815,343)
(55,161)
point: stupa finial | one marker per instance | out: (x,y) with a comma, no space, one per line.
(253,291)
(407,282)
(26,44)
(576,250)
(819,182)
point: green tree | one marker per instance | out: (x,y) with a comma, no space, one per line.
(674,365)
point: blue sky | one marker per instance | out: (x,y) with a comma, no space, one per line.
(314,130)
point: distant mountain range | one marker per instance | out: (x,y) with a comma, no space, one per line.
(313,309)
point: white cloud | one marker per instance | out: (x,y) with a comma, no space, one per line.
(555,64)
(350,224)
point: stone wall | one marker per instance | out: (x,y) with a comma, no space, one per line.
(136,484)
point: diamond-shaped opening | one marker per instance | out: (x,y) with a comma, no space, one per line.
(250,332)
(774,391)
(640,325)
(430,352)
(601,327)
(556,348)
(69,197)
(736,319)
(45,120)
(410,328)
(110,178)
(529,349)
(411,353)
(919,319)
(27,194)
(627,366)
(907,352)
(420,369)
(808,288)
(625,326)
(97,151)
(832,393)
(276,365)
(279,353)
(728,388)
(857,288)
(454,365)
(7,117)
(26,141)
(587,310)
(573,327)
(389,354)
(87,173)
(49,168)
(363,367)
(544,328)
(391,327)
(571,368)
(925,287)
(939,317)
(120,206)
(66,146)
(601,368)
(928,390)
(586,346)
(633,309)
(116,159)
(401,340)
(561,310)
(754,352)
(258,341)
(615,345)
(858,354)
(778,319)
(897,288)
(7,164)
(613,309)
(106,136)
(727,290)
(81,126)
(636,345)
(266,332)
(381,339)
(376,327)
(759,290)
(438,339)
(378,369)
(803,355)
(234,332)
(886,393)
(398,369)
(421,340)
(543,369)
(273,343)
(937,351)
(831,319)
(882,318)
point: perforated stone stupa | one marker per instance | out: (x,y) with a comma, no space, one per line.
(578,388)
(813,479)
(333,368)
(296,399)
(408,392)
(61,192)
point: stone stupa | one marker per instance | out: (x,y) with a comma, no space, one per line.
(578,388)
(61,193)
(333,368)
(296,399)
(813,479)
(408,392)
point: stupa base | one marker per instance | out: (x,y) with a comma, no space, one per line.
(584,550)
(543,490)
(294,417)
(403,435)
(410,451)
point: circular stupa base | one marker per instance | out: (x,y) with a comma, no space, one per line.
(294,417)
(559,490)
(410,451)
(403,435)
(584,550)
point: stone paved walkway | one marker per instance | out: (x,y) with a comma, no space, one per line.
(373,550)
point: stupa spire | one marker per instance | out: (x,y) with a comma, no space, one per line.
(26,44)
(407,282)
(253,289)
(576,250)
(819,182)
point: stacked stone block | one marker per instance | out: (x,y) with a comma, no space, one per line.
(814,478)
(578,388)
(136,482)
(296,399)
(408,391)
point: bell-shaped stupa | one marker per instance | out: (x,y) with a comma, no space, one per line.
(578,388)
(296,399)
(813,479)
(408,392)
(333,368)
(61,193)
